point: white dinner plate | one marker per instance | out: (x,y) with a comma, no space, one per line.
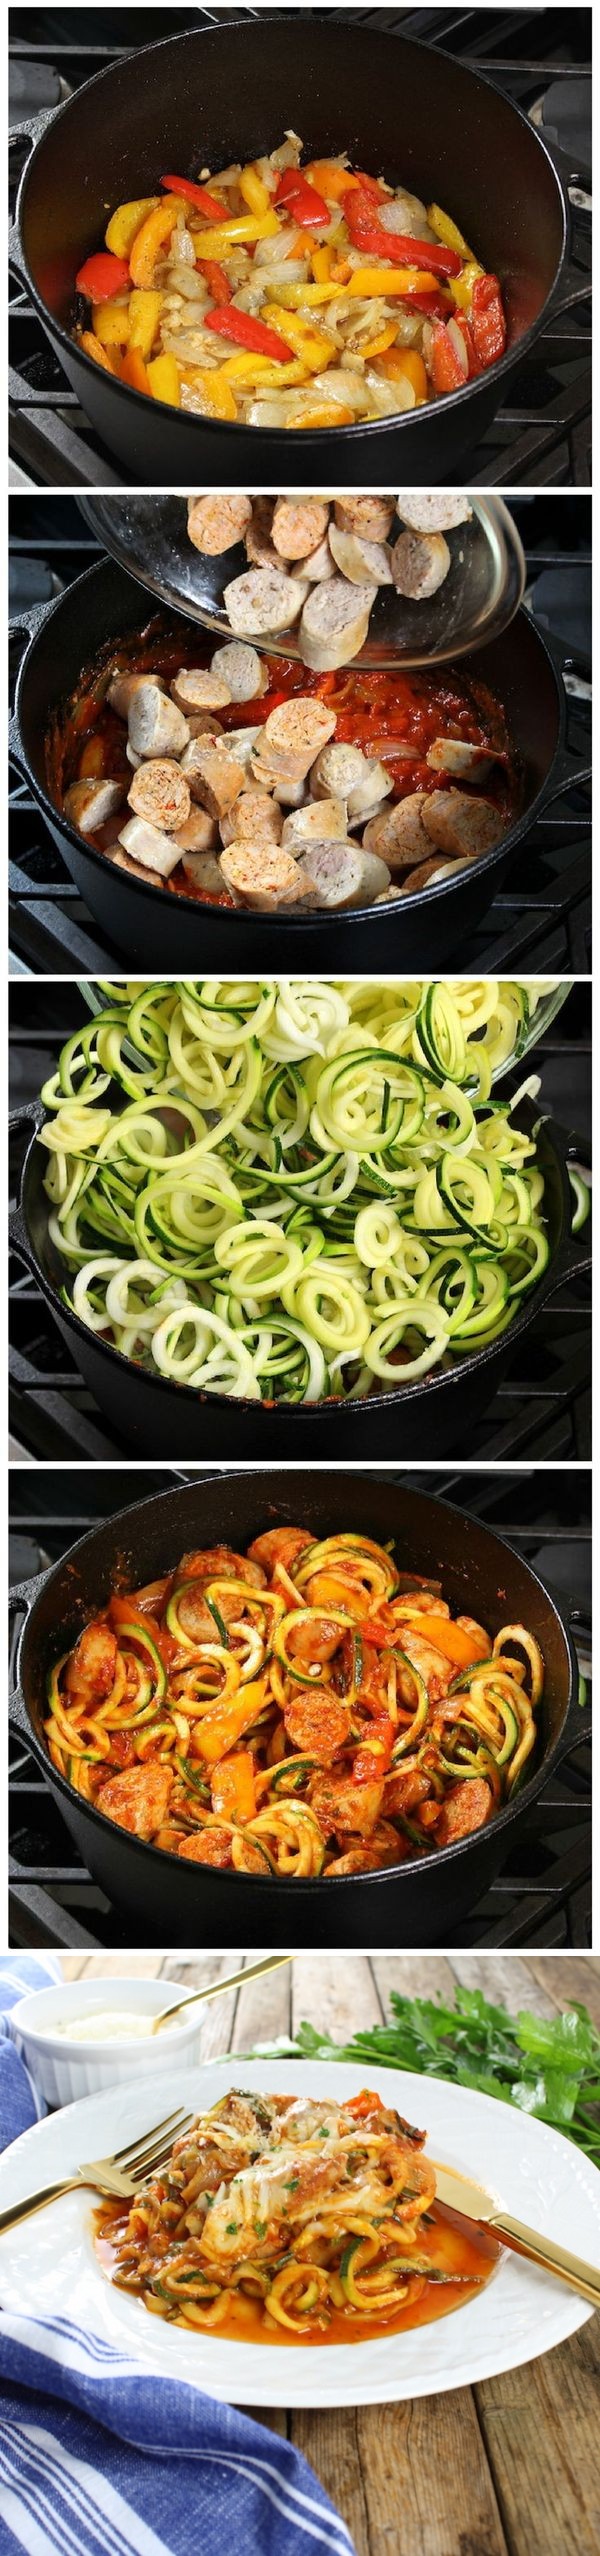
(48,2266)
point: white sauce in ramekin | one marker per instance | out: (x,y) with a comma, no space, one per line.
(104,2024)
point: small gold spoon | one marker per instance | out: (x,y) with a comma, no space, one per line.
(238,1979)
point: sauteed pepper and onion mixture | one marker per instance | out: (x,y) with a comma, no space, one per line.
(281,295)
(298,1191)
(307,1708)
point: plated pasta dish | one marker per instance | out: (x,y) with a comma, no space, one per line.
(283,2218)
(280,295)
(305,1709)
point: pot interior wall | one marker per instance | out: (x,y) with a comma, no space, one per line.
(480,1576)
(230,92)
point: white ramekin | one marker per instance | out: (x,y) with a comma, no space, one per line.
(65,2070)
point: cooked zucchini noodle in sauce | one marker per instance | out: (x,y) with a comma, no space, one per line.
(303,1190)
(275,295)
(305,1709)
(283,2218)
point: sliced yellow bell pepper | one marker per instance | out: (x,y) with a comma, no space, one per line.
(233,1788)
(447,231)
(163,376)
(259,369)
(385,280)
(124,225)
(218,1730)
(252,188)
(241,230)
(216,391)
(462,285)
(314,349)
(325,413)
(108,358)
(377,345)
(144,318)
(294,296)
(405,365)
(110,322)
(321,264)
(151,241)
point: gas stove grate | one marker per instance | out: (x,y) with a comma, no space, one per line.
(541,920)
(542,1900)
(544,435)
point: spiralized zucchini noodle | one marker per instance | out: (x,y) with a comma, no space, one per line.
(305,1709)
(293,2212)
(293,1191)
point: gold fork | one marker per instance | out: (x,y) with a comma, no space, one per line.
(120,2175)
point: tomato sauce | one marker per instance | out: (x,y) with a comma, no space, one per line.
(453,2246)
(393,716)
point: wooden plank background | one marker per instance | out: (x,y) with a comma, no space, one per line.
(506,2469)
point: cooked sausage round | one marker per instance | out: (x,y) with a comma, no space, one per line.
(200,688)
(202,723)
(203,871)
(159,791)
(122,688)
(293,735)
(89,803)
(299,524)
(344,874)
(364,562)
(420,562)
(156,726)
(334,624)
(263,877)
(255,818)
(398,835)
(452,754)
(319,1723)
(367,795)
(372,517)
(207,1846)
(426,874)
(138,1798)
(319,563)
(215,523)
(318,822)
(258,543)
(338,769)
(263,602)
(461,826)
(199,833)
(466,1806)
(428,514)
(147,844)
(243,670)
(213,775)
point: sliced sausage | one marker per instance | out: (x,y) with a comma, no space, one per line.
(346,1808)
(122,688)
(318,1723)
(263,602)
(138,1798)
(372,517)
(299,524)
(264,877)
(345,875)
(160,792)
(200,832)
(200,688)
(202,723)
(334,624)
(420,562)
(338,770)
(89,803)
(213,775)
(242,669)
(364,562)
(322,820)
(426,873)
(122,861)
(289,794)
(215,523)
(452,754)
(319,563)
(258,543)
(432,513)
(462,827)
(203,871)
(156,726)
(398,836)
(467,1806)
(241,742)
(153,850)
(254,819)
(292,737)
(368,793)
(134,759)
(207,1846)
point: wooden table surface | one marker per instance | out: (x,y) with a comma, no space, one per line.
(505,2469)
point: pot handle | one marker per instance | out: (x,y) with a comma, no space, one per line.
(29,617)
(21,1597)
(574,1257)
(566,770)
(29,1117)
(29,128)
(578,1725)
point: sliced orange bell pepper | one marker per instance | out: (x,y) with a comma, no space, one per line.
(133,371)
(463,1648)
(326,413)
(151,240)
(404,364)
(329,179)
(109,361)
(233,1790)
(217,1731)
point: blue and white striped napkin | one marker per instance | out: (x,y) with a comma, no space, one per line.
(98,2458)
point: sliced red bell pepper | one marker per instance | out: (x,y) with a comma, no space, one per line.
(216,279)
(248,332)
(488,324)
(103,275)
(367,233)
(210,205)
(370,186)
(304,202)
(447,373)
(362,2104)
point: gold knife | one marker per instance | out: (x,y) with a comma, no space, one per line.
(474,2202)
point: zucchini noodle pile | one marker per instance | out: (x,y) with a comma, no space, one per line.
(295,1191)
(305,1709)
(286,2211)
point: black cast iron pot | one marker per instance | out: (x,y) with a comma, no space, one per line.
(433,1416)
(413,1903)
(161,931)
(229,92)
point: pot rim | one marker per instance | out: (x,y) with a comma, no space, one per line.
(426,897)
(275,437)
(442,1856)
